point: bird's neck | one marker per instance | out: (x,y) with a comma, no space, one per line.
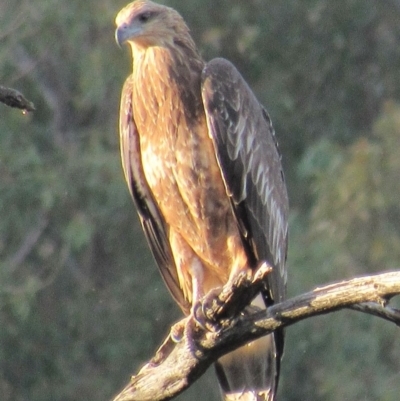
(170,69)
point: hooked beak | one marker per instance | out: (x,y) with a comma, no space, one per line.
(125,32)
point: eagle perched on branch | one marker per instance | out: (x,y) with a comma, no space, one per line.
(203,168)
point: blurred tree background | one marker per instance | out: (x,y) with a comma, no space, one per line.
(81,302)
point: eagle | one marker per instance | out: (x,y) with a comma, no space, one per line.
(203,167)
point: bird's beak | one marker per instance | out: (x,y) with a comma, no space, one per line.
(125,32)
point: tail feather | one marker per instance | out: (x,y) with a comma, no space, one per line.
(251,372)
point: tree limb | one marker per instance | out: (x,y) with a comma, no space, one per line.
(177,365)
(384,312)
(13,98)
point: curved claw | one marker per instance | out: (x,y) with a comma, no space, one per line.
(198,315)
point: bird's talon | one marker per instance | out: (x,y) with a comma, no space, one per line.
(203,311)
(198,314)
(211,301)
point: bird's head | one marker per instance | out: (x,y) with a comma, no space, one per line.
(143,24)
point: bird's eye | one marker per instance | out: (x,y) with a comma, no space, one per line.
(144,17)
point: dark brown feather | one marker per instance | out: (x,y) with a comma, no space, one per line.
(250,162)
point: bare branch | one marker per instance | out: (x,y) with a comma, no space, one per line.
(384,312)
(177,365)
(13,98)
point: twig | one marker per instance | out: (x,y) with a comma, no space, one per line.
(387,313)
(177,365)
(13,98)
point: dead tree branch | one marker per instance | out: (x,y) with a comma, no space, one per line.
(177,365)
(13,98)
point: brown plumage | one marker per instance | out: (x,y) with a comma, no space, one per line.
(202,165)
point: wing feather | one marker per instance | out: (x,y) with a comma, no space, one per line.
(250,163)
(154,226)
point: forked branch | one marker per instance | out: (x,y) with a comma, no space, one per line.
(178,364)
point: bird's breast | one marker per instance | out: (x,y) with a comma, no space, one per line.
(181,169)
(183,174)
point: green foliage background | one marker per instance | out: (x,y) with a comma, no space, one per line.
(81,302)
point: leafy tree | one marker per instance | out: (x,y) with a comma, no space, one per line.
(353,231)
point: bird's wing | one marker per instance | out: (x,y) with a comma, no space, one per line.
(154,226)
(250,163)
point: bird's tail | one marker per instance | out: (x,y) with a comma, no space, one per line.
(251,372)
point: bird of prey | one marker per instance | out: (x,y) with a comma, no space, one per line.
(202,165)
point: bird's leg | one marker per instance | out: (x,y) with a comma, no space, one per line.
(197,283)
(198,294)
(178,329)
